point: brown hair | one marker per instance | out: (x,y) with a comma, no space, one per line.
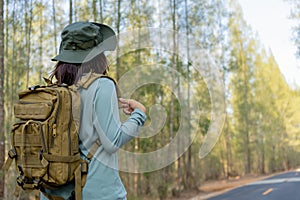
(70,73)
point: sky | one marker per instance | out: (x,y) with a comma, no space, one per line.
(269,18)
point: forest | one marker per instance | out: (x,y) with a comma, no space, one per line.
(218,104)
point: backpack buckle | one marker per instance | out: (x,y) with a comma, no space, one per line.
(34,87)
(20,181)
(20,170)
(63,85)
(44,162)
(12,153)
(37,184)
(84,167)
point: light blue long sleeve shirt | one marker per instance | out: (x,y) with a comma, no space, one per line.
(100,119)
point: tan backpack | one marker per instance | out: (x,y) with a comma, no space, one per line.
(45,140)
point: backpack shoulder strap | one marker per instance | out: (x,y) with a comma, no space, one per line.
(88,79)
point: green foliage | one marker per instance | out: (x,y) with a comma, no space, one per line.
(212,167)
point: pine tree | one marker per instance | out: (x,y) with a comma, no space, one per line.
(242,66)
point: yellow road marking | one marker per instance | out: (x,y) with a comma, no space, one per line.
(267,191)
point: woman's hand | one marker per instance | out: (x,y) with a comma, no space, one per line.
(129,105)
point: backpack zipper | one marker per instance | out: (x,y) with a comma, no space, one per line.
(69,132)
(55,117)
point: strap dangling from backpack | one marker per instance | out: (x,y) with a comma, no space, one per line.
(80,178)
(78,193)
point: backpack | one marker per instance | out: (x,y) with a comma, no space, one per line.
(45,142)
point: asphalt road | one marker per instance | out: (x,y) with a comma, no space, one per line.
(285,186)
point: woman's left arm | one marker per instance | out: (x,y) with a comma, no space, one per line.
(114,134)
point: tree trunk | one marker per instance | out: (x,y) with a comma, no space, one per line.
(41,46)
(54,26)
(94,10)
(71,12)
(245,118)
(13,63)
(118,33)
(247,134)
(228,147)
(172,107)
(189,153)
(101,10)
(28,29)
(2,136)
(7,71)
(262,161)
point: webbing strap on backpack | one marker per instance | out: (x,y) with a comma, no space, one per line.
(78,183)
(11,155)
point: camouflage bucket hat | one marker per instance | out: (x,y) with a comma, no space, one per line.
(82,41)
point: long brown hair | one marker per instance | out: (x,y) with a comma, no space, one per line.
(70,73)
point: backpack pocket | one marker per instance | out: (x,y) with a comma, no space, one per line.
(33,110)
(29,142)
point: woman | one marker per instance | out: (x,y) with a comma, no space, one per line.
(81,53)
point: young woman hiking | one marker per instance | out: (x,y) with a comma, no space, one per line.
(81,55)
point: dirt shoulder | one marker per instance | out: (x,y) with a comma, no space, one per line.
(215,187)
